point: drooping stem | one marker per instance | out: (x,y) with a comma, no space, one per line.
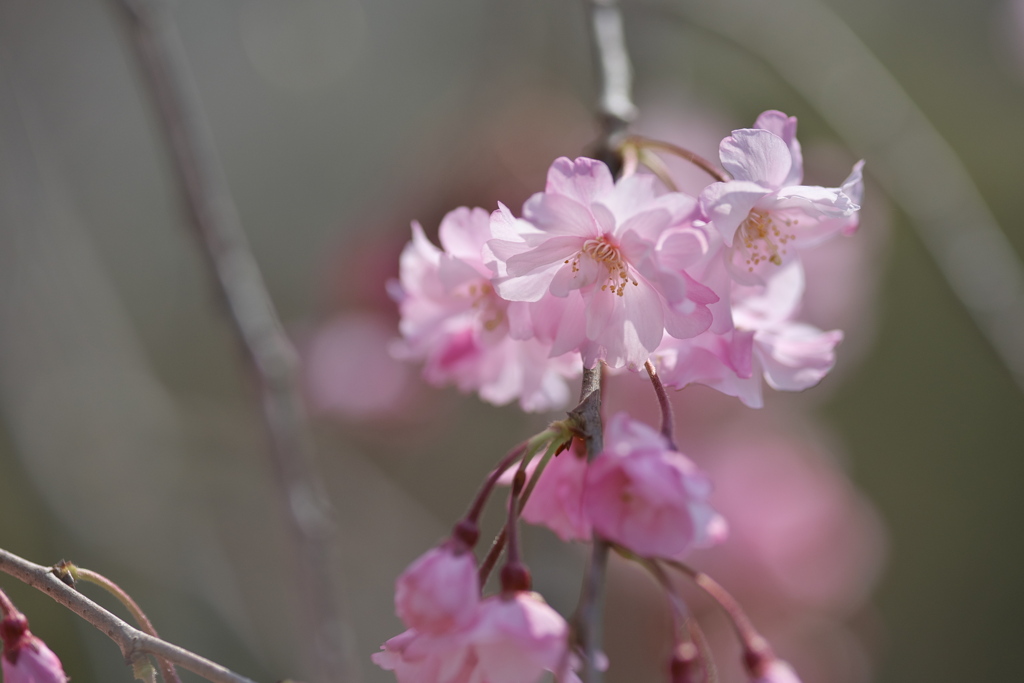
(132,642)
(498,545)
(485,490)
(7,608)
(755,646)
(667,423)
(681,152)
(273,360)
(167,669)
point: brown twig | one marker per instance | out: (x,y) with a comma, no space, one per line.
(78,573)
(667,423)
(272,358)
(697,160)
(132,642)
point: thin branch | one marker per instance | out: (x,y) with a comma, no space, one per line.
(681,152)
(132,642)
(78,573)
(251,312)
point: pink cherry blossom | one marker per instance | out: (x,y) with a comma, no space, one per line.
(557,499)
(647,497)
(453,319)
(26,658)
(766,343)
(764,214)
(349,372)
(416,657)
(592,243)
(515,638)
(439,592)
(518,638)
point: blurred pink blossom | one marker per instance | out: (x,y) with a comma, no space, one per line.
(557,498)
(349,372)
(439,592)
(647,497)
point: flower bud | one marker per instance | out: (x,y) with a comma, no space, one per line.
(25,658)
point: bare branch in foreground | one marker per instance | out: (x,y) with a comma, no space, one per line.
(133,642)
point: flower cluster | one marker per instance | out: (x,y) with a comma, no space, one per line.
(622,273)
(625,271)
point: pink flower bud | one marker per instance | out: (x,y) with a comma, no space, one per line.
(26,659)
(439,592)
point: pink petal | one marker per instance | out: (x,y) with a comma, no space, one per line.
(785,127)
(756,155)
(583,180)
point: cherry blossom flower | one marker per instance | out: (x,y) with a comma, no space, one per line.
(416,657)
(439,592)
(591,242)
(518,638)
(766,343)
(26,658)
(647,497)
(453,319)
(764,214)
(514,638)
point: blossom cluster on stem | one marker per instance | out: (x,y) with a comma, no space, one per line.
(626,271)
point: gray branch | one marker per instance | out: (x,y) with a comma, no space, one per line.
(272,358)
(133,642)
(613,67)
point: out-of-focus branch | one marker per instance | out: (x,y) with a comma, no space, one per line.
(614,70)
(213,215)
(133,642)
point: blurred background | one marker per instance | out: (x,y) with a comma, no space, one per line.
(876,518)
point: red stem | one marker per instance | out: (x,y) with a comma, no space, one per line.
(667,423)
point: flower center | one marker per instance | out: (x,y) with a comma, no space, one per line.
(606,253)
(763,238)
(488,304)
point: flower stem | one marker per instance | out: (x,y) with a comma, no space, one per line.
(498,545)
(77,573)
(667,423)
(697,160)
(132,641)
(755,646)
(7,607)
